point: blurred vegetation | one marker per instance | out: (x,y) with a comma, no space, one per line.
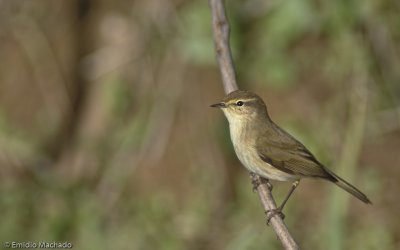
(107,141)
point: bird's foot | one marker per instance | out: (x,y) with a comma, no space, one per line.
(259,181)
(273,212)
(269,185)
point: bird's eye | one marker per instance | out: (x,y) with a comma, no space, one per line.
(239,103)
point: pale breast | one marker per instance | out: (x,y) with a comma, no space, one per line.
(244,145)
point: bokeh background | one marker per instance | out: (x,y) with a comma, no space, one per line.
(107,140)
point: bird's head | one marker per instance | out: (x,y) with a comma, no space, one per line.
(241,105)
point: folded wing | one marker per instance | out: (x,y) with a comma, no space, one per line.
(285,153)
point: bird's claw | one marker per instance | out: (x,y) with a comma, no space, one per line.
(259,181)
(272,212)
(269,185)
(256,183)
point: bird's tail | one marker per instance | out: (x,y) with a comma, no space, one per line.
(350,188)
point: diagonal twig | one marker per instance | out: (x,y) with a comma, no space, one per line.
(221,39)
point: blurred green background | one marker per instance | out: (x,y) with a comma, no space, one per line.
(107,140)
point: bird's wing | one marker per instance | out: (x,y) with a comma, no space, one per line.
(285,153)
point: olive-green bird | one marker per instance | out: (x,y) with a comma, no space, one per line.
(267,150)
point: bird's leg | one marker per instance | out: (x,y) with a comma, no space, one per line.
(278,211)
(294,186)
(259,181)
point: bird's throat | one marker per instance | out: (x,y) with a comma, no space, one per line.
(239,130)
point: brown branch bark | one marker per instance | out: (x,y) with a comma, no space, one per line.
(221,39)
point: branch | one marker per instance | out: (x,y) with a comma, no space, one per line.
(221,39)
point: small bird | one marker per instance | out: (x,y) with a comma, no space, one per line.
(267,150)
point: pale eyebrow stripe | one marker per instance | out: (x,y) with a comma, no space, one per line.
(249,100)
(244,100)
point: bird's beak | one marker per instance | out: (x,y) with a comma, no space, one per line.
(218,105)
